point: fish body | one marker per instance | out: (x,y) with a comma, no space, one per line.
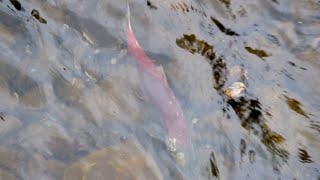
(157,87)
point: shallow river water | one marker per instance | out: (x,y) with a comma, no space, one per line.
(73,106)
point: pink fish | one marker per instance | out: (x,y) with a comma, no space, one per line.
(157,87)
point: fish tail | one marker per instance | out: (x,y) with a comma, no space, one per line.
(129,15)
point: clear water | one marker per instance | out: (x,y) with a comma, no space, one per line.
(73,104)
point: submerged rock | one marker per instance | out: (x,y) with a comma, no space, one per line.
(9,125)
(36,166)
(9,159)
(6,175)
(124,161)
(235,90)
(16,83)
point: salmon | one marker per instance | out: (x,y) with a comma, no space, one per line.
(159,92)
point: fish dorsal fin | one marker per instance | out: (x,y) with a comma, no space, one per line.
(162,73)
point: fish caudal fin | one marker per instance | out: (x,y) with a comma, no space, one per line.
(128,16)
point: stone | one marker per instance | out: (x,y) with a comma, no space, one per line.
(9,159)
(6,35)
(6,175)
(38,167)
(9,125)
(127,160)
(35,97)
(235,90)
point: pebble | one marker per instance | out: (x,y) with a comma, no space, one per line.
(235,90)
